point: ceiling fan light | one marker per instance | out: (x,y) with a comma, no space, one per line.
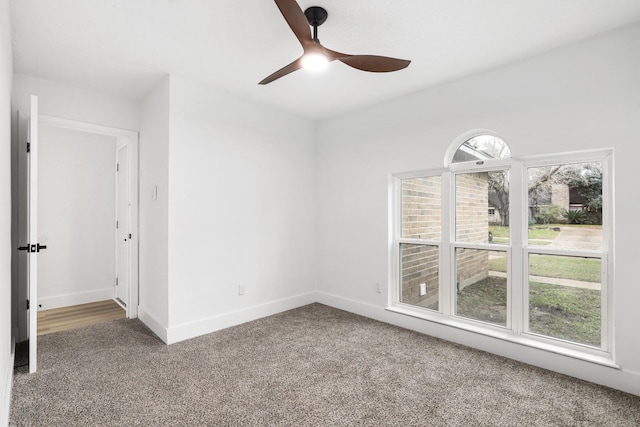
(315,61)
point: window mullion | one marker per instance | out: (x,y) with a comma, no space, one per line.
(394,266)
(518,226)
(446,248)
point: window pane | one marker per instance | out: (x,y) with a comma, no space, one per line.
(482,147)
(482,207)
(481,280)
(421,208)
(565,206)
(419,275)
(565,298)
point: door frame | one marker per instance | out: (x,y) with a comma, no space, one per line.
(123,137)
(120,167)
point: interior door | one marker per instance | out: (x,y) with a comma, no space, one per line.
(33,235)
(123,235)
(28,227)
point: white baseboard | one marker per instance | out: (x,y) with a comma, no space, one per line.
(607,376)
(67,300)
(226,320)
(152,323)
(6,374)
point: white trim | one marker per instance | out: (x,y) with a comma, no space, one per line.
(226,320)
(558,346)
(153,324)
(418,174)
(66,300)
(569,157)
(598,370)
(608,230)
(393,210)
(85,127)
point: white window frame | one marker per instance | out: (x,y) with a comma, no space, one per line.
(605,157)
(398,240)
(517,251)
(477,167)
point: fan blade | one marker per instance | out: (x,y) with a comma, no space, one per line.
(295,65)
(373,63)
(295,18)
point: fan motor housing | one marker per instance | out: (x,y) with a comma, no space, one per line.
(316,15)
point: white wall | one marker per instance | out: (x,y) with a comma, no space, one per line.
(154,226)
(76,217)
(6,72)
(241,210)
(69,102)
(580,97)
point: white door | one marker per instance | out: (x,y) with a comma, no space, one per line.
(123,236)
(28,229)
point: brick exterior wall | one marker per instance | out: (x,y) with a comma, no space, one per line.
(419,265)
(472,266)
(472,225)
(421,208)
(472,200)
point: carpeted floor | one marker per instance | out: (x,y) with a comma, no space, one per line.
(313,366)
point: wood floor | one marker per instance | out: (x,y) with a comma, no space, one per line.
(65,318)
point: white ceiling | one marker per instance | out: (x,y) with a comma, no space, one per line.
(124,47)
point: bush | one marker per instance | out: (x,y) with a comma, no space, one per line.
(548,213)
(578,217)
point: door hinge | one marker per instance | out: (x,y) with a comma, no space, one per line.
(129,236)
(28,147)
(28,305)
(116,281)
(117,167)
(116,223)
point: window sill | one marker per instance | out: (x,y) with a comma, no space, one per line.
(587,355)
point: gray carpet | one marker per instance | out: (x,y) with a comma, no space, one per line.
(313,366)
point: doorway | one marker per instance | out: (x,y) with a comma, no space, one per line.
(72,234)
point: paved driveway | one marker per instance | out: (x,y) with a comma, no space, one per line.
(571,237)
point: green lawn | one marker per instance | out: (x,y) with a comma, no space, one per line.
(568,313)
(485,301)
(583,269)
(572,314)
(538,234)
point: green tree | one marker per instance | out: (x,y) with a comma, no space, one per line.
(588,183)
(499,194)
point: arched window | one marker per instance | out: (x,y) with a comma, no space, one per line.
(477,145)
(489,243)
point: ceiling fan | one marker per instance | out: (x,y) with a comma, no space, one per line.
(316,55)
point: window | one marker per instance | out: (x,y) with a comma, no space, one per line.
(566,296)
(514,248)
(421,210)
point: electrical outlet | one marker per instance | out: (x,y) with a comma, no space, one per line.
(423,289)
(242,290)
(378,289)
